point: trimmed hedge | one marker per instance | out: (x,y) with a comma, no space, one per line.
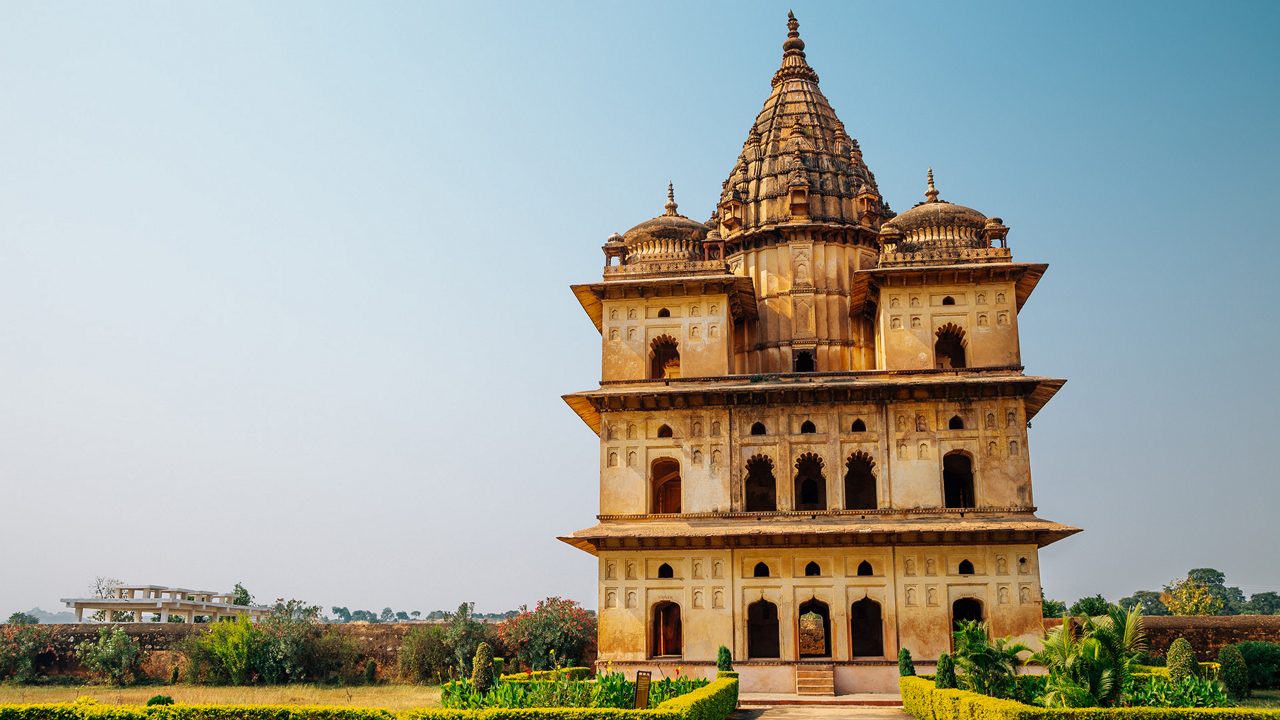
(923,701)
(715,701)
(98,711)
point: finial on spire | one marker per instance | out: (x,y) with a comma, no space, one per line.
(932,192)
(671,199)
(793,41)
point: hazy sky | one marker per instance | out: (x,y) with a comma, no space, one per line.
(283,285)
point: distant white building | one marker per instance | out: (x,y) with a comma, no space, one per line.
(167,602)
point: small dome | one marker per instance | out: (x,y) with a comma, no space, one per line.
(668,237)
(936,220)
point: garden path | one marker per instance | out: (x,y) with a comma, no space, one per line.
(820,712)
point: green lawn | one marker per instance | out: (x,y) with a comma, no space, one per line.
(1263,699)
(393,697)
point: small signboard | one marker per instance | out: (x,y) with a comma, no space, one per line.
(643,678)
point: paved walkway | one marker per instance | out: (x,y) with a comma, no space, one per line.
(820,712)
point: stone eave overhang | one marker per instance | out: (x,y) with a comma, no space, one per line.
(1025,276)
(741,292)
(813,388)
(775,233)
(709,531)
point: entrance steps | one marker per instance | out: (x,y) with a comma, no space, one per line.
(816,680)
(767,700)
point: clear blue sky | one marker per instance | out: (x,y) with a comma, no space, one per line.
(283,285)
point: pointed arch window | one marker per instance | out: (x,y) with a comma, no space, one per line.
(866,629)
(812,570)
(664,313)
(664,431)
(664,358)
(762,630)
(955,423)
(665,481)
(865,569)
(665,571)
(858,426)
(860,482)
(965,568)
(811,484)
(757,428)
(949,349)
(808,427)
(761,489)
(668,633)
(761,570)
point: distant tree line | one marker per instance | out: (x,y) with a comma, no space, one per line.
(1204,591)
(347,615)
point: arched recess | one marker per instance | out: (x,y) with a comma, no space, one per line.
(664,431)
(664,358)
(762,630)
(803,361)
(957,480)
(813,569)
(948,349)
(965,609)
(858,426)
(813,625)
(865,569)
(761,570)
(860,482)
(665,481)
(663,312)
(665,571)
(761,488)
(866,629)
(808,427)
(811,484)
(955,423)
(668,633)
(965,567)
(758,428)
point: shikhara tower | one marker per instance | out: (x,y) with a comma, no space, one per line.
(812,420)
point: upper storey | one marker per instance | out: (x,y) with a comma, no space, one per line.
(798,165)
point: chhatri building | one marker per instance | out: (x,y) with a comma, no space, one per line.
(812,419)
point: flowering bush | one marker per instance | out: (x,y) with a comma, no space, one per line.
(556,628)
(25,650)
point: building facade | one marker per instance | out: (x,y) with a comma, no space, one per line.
(813,420)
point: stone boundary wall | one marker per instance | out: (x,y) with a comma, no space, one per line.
(1207,635)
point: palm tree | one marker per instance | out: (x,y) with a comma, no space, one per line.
(1090,664)
(989,665)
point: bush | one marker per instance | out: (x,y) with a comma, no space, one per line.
(370,672)
(1233,673)
(1263,660)
(906,668)
(425,657)
(482,669)
(724,660)
(25,652)
(173,675)
(1181,661)
(159,700)
(945,679)
(556,626)
(114,655)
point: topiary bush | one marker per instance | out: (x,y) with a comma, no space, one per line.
(1263,659)
(1181,660)
(482,668)
(1234,673)
(724,660)
(945,679)
(159,700)
(906,668)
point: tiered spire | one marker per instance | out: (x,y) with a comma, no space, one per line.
(932,192)
(671,205)
(797,141)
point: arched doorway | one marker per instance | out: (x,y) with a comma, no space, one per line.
(957,480)
(965,609)
(761,489)
(814,629)
(948,351)
(859,482)
(667,631)
(811,484)
(762,630)
(666,486)
(664,358)
(866,628)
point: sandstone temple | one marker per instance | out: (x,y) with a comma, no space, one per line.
(813,421)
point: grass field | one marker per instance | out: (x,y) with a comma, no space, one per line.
(393,697)
(1263,699)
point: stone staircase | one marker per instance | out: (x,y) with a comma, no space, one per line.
(815,679)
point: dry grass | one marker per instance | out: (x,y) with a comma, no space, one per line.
(1263,699)
(393,697)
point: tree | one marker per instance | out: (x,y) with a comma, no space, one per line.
(463,633)
(402,616)
(425,656)
(364,616)
(115,655)
(1051,608)
(1089,665)
(416,614)
(241,595)
(945,678)
(1263,603)
(556,625)
(104,587)
(342,614)
(388,615)
(1232,598)
(1233,673)
(21,618)
(1092,606)
(989,664)
(1181,660)
(906,667)
(724,659)
(482,668)
(1146,601)
(1189,597)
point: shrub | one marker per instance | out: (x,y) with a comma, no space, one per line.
(906,668)
(945,679)
(425,656)
(232,645)
(159,700)
(113,655)
(555,625)
(1181,661)
(1263,660)
(1090,606)
(25,651)
(1193,692)
(724,660)
(482,668)
(173,675)
(1233,673)
(370,672)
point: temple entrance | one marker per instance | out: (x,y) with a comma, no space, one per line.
(965,609)
(762,630)
(866,627)
(667,632)
(814,627)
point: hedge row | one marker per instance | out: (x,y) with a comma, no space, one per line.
(97,711)
(923,701)
(715,701)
